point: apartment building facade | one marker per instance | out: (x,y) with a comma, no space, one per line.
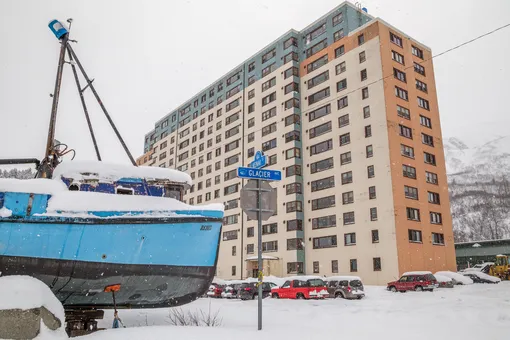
(347,109)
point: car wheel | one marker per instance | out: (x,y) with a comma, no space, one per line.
(360,297)
(393,289)
(254,296)
(275,296)
(339,295)
(300,296)
(418,289)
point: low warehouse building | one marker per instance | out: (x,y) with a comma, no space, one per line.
(470,253)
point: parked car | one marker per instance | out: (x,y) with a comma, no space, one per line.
(215,290)
(479,277)
(347,287)
(250,291)
(231,291)
(301,288)
(480,267)
(418,281)
(457,279)
(443,281)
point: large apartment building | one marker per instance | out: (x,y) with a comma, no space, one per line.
(347,109)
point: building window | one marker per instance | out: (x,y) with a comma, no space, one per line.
(269,229)
(318,79)
(399,58)
(341,85)
(424,121)
(433,197)
(403,112)
(268,55)
(293,153)
(323,203)
(230,235)
(316,64)
(290,42)
(320,130)
(401,93)
(250,248)
(292,102)
(268,84)
(417,52)
(345,158)
(348,197)
(361,39)
(363,75)
(342,102)
(292,136)
(429,158)
(293,71)
(316,32)
(294,206)
(431,177)
(294,244)
(293,170)
(408,171)
(345,139)
(250,232)
(294,225)
(292,119)
(369,151)
(322,184)
(292,87)
(295,268)
(269,145)
(233,270)
(423,103)
(334,266)
(269,99)
(321,147)
(419,69)
(337,19)
(340,68)
(230,189)
(437,239)
(405,131)
(368,131)
(343,120)
(291,56)
(293,188)
(268,129)
(234,251)
(270,246)
(370,171)
(348,218)
(377,264)
(338,35)
(320,112)
(411,192)
(428,140)
(399,75)
(406,151)
(269,114)
(347,177)
(353,265)
(436,218)
(340,51)
(318,96)
(421,86)
(324,222)
(396,39)
(251,108)
(324,242)
(362,57)
(322,165)
(413,214)
(375,236)
(371,192)
(415,236)
(350,239)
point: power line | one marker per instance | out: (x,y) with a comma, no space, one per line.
(365,85)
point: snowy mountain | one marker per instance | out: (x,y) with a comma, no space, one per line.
(479,188)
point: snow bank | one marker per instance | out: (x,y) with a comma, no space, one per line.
(342,278)
(78,201)
(79,170)
(279,281)
(25,292)
(32,186)
(417,273)
(4,212)
(455,276)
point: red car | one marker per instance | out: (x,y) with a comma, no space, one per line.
(301,288)
(215,290)
(418,281)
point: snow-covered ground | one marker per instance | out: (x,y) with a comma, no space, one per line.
(479,311)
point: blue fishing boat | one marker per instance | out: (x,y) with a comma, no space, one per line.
(105,235)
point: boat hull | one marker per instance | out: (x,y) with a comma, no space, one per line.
(158,262)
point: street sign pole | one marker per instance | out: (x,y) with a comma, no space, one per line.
(259,207)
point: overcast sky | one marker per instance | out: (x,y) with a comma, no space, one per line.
(148,57)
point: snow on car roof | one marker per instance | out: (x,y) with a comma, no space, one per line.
(442,278)
(32,186)
(417,273)
(109,171)
(340,278)
(485,276)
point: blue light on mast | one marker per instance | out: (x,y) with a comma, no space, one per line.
(58,29)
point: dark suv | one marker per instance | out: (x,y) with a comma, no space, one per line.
(249,291)
(348,287)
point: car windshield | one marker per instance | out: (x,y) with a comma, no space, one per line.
(315,283)
(430,277)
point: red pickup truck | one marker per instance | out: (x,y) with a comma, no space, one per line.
(301,288)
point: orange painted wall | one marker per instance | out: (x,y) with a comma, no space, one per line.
(425,255)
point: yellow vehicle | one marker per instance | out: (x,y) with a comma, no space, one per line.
(500,268)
